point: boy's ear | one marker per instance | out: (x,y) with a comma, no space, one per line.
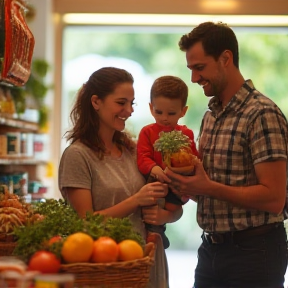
(151,108)
(95,102)
(184,110)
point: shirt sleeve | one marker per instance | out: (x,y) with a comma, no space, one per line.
(268,136)
(74,170)
(145,153)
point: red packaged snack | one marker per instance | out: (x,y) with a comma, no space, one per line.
(18,43)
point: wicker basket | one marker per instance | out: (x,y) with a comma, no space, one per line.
(126,274)
(7,244)
(7,248)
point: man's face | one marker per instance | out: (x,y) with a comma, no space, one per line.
(206,71)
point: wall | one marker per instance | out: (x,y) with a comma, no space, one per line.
(252,7)
(42,28)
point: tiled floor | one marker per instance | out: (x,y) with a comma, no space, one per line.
(181,268)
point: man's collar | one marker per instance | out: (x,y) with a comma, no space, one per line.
(236,101)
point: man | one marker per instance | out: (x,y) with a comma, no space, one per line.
(240,186)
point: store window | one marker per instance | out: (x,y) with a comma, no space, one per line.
(149,53)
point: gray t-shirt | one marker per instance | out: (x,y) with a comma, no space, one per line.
(111,180)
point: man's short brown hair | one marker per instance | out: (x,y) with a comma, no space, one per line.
(215,38)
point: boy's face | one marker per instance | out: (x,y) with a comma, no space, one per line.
(167,112)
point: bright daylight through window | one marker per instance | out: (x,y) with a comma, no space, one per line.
(152,52)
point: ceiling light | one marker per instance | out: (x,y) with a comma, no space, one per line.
(220,5)
(174,19)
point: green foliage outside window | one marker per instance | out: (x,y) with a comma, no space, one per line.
(263,58)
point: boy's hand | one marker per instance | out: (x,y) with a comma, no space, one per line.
(159,174)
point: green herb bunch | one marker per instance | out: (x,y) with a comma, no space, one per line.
(61,219)
(171,142)
(120,229)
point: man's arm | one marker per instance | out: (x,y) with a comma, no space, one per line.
(269,195)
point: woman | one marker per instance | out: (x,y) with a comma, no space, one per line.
(98,171)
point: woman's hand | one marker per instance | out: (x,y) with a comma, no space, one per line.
(155,215)
(149,193)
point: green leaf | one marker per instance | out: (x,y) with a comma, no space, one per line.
(171,142)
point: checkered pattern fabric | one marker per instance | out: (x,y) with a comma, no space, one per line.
(249,130)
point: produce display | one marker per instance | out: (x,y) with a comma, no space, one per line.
(14,212)
(98,251)
(62,237)
(176,152)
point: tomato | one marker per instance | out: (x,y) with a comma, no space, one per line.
(44,262)
(54,239)
(105,250)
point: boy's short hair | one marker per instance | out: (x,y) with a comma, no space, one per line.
(171,87)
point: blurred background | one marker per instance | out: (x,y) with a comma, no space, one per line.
(78,37)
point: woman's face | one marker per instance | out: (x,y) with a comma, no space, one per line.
(115,108)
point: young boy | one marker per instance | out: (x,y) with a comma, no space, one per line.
(168,98)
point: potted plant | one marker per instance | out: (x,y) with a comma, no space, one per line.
(33,94)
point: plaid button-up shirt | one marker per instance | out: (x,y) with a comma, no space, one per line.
(249,130)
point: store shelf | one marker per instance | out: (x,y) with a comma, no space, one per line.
(18,123)
(22,150)
(21,161)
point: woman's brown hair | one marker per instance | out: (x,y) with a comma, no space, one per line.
(84,118)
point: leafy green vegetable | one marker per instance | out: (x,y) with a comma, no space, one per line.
(120,229)
(171,142)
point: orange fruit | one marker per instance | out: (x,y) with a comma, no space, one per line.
(77,247)
(130,250)
(105,250)
(181,159)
